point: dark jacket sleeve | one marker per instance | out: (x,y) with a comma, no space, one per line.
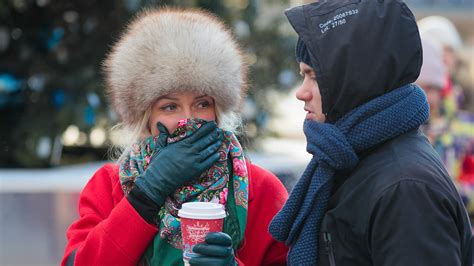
(413,223)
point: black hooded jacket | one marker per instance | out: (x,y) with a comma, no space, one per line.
(359,49)
(399,205)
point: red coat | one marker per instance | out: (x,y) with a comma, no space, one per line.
(110,231)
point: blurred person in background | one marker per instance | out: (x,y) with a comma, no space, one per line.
(375,191)
(176,78)
(443,31)
(451,136)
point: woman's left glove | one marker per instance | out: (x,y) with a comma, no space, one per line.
(217,250)
(173,166)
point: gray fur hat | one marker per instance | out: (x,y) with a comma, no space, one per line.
(169,50)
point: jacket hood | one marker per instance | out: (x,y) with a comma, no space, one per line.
(360,49)
(169,50)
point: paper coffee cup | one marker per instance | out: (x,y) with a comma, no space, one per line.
(197,220)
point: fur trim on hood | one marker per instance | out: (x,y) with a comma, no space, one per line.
(169,50)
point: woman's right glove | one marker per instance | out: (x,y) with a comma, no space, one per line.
(173,166)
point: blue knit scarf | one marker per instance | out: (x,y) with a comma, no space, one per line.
(335,148)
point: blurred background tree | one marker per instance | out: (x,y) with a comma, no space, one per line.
(53,110)
(52,105)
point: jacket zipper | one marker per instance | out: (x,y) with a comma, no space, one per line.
(329,250)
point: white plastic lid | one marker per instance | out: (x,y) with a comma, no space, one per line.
(202,210)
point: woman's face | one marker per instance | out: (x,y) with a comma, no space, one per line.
(171,108)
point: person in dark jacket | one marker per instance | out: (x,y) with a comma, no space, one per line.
(375,191)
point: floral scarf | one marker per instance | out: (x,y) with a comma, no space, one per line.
(211,186)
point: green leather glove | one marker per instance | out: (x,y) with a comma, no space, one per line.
(177,163)
(217,250)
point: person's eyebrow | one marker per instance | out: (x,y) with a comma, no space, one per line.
(200,97)
(166,97)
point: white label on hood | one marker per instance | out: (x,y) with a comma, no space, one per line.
(337,20)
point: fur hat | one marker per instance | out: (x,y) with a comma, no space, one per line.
(169,50)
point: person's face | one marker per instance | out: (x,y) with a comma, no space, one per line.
(171,108)
(310,95)
(450,60)
(433,94)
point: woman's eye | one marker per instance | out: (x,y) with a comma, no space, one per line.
(169,107)
(203,104)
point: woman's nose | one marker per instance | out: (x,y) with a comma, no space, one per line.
(188,113)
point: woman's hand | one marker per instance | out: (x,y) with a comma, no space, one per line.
(217,250)
(179,162)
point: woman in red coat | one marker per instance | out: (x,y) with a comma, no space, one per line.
(176,79)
